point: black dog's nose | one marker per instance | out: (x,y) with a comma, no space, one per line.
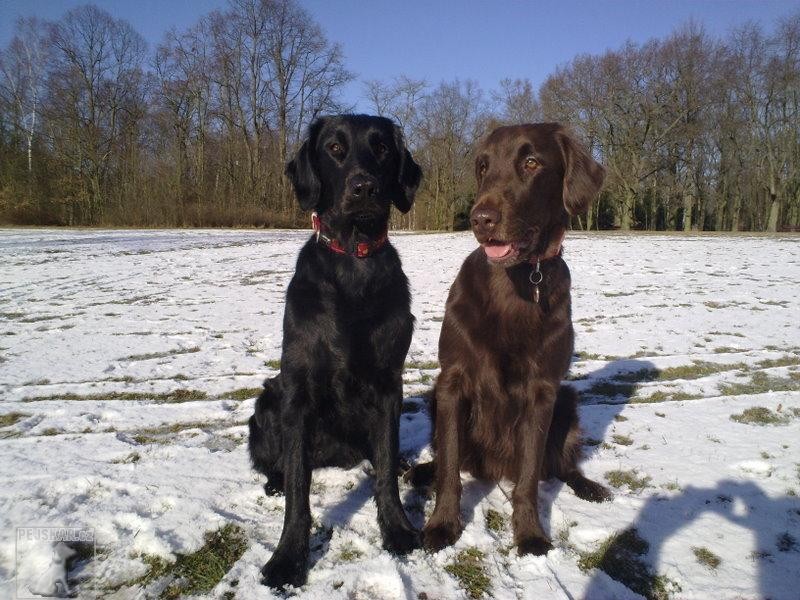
(363,186)
(484,219)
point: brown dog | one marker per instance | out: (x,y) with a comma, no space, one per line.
(507,336)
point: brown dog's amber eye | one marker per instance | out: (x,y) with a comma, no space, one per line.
(531,164)
(482,169)
(336,149)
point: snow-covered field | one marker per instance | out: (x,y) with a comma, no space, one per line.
(129,361)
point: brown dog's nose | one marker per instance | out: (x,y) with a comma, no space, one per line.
(484,219)
(363,186)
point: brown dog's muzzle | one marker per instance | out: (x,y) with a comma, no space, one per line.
(485,220)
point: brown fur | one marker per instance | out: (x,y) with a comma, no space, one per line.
(500,410)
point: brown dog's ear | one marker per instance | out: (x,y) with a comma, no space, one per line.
(408,175)
(302,172)
(583,176)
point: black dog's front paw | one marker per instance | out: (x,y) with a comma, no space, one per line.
(538,546)
(402,540)
(285,569)
(436,537)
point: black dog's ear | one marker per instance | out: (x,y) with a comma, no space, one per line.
(302,172)
(408,175)
(583,176)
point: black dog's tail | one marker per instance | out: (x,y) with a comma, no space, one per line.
(264,442)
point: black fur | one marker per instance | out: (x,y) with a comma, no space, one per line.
(346,331)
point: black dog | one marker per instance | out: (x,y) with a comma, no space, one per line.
(346,330)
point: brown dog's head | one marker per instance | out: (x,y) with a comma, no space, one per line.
(531,178)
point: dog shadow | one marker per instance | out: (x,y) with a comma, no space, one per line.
(773,523)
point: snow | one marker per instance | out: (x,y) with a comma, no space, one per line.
(88,315)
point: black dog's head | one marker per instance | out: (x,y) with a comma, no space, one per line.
(531,178)
(352,168)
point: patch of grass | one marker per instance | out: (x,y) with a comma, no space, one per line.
(621,558)
(620,418)
(273,364)
(198,572)
(591,442)
(495,521)
(154,355)
(662,396)
(731,333)
(760,415)
(182,395)
(637,376)
(786,542)
(725,350)
(468,567)
(706,557)
(698,369)
(622,440)
(162,433)
(422,365)
(349,552)
(760,383)
(695,370)
(591,356)
(241,394)
(662,415)
(672,486)
(617,294)
(611,389)
(783,361)
(12,418)
(631,478)
(131,459)
(51,431)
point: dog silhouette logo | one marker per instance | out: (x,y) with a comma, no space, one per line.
(52,582)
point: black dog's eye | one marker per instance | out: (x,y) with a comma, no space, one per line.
(336,149)
(381,149)
(531,164)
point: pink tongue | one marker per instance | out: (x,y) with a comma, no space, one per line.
(496,251)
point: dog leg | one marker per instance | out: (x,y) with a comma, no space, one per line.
(534,426)
(445,526)
(288,564)
(421,475)
(564,449)
(399,536)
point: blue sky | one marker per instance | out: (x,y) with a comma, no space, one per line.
(441,40)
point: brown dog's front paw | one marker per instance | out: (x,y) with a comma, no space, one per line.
(586,489)
(439,536)
(538,546)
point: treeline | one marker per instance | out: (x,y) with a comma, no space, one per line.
(95,129)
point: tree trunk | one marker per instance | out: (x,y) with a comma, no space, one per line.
(688,202)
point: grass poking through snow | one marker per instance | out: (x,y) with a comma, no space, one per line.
(706,557)
(468,567)
(200,571)
(632,479)
(621,558)
(760,415)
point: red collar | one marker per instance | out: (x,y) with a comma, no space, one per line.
(360,249)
